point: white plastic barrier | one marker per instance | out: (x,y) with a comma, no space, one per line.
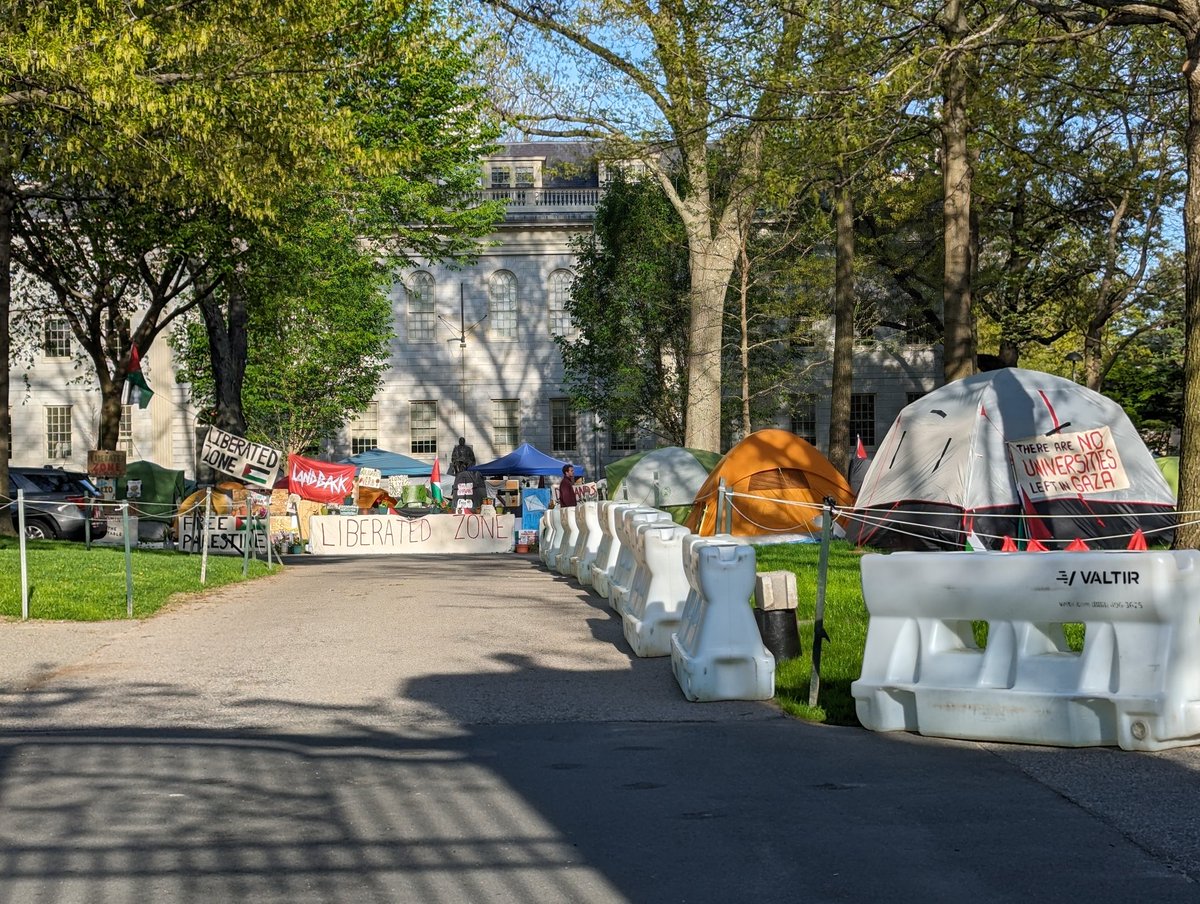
(610,545)
(717,653)
(656,599)
(566,542)
(550,530)
(587,516)
(1136,682)
(622,577)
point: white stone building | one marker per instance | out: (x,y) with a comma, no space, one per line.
(498,387)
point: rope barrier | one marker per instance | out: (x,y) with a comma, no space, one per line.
(898,522)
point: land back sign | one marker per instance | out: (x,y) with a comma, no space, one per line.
(1068,464)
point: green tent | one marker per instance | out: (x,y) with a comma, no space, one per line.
(161,491)
(1170,470)
(666,478)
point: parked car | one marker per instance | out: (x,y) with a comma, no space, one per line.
(56,503)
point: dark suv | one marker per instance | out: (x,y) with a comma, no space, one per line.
(55,503)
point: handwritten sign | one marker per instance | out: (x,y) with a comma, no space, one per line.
(320,481)
(106,463)
(225,538)
(388,535)
(234,455)
(1068,464)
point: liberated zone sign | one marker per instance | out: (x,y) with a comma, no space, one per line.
(247,461)
(1068,464)
(385,535)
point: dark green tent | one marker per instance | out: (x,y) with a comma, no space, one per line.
(162,490)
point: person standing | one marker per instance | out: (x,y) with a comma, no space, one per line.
(566,489)
(462,457)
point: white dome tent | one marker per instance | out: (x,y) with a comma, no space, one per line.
(1015,453)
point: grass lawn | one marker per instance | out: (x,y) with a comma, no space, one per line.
(67,581)
(845,623)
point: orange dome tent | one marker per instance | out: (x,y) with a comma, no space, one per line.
(773,465)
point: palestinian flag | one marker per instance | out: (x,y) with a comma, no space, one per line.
(435,482)
(135,380)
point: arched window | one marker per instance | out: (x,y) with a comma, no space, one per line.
(560,292)
(422,316)
(502,305)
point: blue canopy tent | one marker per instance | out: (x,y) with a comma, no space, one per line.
(389,464)
(525,461)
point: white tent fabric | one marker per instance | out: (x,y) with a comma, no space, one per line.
(679,477)
(963,446)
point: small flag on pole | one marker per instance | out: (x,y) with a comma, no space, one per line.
(435,482)
(135,380)
(860,451)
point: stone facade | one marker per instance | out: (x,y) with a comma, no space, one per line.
(499,387)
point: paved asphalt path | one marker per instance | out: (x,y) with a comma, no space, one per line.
(475,729)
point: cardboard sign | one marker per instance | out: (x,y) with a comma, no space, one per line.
(370,477)
(106,463)
(234,455)
(224,536)
(1068,464)
(388,535)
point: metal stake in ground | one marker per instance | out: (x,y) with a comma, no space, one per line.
(204,535)
(24,557)
(128,561)
(819,635)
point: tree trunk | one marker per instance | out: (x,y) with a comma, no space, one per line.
(744,257)
(110,411)
(7,203)
(958,352)
(1187,536)
(711,266)
(843,330)
(227,348)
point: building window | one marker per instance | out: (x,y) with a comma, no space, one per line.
(422,422)
(125,432)
(804,420)
(562,426)
(364,430)
(58,432)
(422,317)
(116,335)
(506,425)
(502,305)
(560,293)
(515,174)
(57,343)
(622,439)
(915,396)
(862,417)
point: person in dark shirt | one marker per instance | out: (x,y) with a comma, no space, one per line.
(566,489)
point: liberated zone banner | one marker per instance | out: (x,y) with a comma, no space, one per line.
(320,481)
(387,535)
(247,461)
(1068,464)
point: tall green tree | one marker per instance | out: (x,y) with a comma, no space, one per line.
(317,335)
(1182,17)
(626,360)
(689,90)
(180,102)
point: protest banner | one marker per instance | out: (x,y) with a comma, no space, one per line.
(1068,464)
(234,455)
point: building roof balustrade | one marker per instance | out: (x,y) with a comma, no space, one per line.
(543,204)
